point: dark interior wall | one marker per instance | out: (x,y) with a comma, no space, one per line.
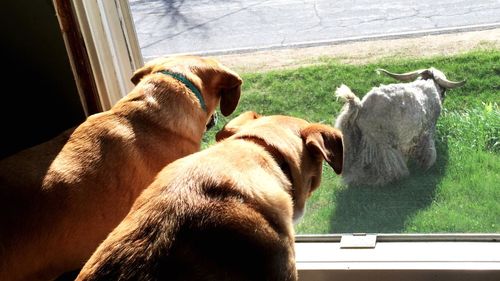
(39,96)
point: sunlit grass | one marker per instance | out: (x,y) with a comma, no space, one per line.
(460,193)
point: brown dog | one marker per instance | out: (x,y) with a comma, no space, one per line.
(224,213)
(60,199)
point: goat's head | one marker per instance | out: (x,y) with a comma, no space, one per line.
(430,73)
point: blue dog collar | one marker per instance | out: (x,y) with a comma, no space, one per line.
(188,84)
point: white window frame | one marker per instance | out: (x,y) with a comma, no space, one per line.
(399,257)
(108,31)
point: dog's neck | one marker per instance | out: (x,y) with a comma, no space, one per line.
(277,156)
(183,79)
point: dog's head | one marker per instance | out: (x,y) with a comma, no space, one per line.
(216,83)
(299,147)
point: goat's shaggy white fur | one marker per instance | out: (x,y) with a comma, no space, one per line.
(390,125)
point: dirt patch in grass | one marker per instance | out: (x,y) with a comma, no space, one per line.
(363,51)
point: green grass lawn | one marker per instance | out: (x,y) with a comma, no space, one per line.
(460,193)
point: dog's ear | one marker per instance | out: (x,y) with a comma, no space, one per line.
(230,91)
(325,141)
(232,126)
(141,72)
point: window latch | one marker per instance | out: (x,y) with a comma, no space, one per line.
(358,240)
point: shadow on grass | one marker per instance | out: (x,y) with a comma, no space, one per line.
(386,209)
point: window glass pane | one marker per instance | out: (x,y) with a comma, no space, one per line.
(293,55)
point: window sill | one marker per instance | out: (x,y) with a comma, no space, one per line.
(421,259)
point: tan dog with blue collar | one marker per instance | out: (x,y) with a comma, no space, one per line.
(224,213)
(61,198)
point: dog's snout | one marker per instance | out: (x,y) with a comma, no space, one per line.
(212,121)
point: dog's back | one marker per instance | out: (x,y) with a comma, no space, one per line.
(197,222)
(21,199)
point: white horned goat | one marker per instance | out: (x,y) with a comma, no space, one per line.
(390,125)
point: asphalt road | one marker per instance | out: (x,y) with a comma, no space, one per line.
(222,26)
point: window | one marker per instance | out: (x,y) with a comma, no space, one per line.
(442,221)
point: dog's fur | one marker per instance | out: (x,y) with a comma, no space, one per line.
(224,213)
(61,198)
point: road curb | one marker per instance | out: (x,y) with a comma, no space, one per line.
(390,36)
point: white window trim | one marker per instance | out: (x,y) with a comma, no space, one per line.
(114,52)
(394,256)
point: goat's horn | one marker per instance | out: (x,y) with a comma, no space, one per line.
(442,81)
(445,83)
(405,77)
